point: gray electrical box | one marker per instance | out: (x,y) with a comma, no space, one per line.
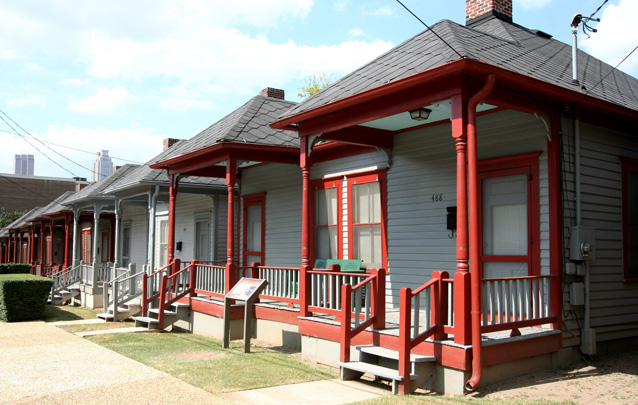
(577,294)
(582,244)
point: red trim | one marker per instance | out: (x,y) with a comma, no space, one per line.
(508,166)
(254,200)
(323,184)
(628,165)
(379,176)
(555,221)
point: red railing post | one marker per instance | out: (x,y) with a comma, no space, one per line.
(144,294)
(378,295)
(231,276)
(462,319)
(160,313)
(304,290)
(346,333)
(193,278)
(254,269)
(175,266)
(439,304)
(404,339)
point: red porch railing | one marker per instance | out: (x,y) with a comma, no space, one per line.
(151,284)
(361,306)
(176,286)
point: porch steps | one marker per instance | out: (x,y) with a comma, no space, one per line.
(124,311)
(64,295)
(384,363)
(175,312)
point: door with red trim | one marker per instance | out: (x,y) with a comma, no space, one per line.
(509,208)
(254,229)
(105,246)
(87,246)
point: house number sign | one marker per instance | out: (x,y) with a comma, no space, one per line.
(437,197)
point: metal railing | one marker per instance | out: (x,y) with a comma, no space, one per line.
(65,278)
(515,302)
(124,288)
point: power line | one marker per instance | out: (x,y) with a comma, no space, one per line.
(598,9)
(54,151)
(28,189)
(75,149)
(437,35)
(611,71)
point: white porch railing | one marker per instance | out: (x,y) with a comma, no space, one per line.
(125,287)
(283,283)
(64,278)
(326,288)
(210,279)
(517,299)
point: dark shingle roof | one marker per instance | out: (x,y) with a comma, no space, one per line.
(96,189)
(492,41)
(57,204)
(145,175)
(247,124)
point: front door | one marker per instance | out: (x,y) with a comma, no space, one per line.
(254,236)
(202,240)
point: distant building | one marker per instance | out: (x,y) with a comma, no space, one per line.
(23,193)
(102,166)
(24,164)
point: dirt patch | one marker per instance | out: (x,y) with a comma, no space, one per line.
(195,356)
(608,380)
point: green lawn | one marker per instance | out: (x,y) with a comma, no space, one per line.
(201,361)
(55,313)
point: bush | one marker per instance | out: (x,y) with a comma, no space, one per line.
(23,297)
(15,268)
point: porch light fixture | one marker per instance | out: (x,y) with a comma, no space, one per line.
(420,114)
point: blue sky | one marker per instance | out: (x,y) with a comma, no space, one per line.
(122,76)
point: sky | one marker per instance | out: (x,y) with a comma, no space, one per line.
(79,76)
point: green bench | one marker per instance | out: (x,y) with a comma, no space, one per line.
(346,266)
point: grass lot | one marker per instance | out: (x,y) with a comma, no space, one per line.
(97,326)
(201,361)
(440,399)
(55,313)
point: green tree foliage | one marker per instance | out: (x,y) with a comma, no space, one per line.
(314,84)
(7,217)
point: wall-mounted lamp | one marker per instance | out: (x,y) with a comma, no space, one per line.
(420,114)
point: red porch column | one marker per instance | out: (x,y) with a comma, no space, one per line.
(42,246)
(174,178)
(231,179)
(462,319)
(305,161)
(30,259)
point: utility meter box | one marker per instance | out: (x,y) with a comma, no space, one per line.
(582,244)
(577,294)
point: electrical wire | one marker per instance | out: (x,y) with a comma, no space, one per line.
(611,71)
(28,189)
(428,27)
(75,149)
(598,9)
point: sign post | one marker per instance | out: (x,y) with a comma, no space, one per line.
(247,290)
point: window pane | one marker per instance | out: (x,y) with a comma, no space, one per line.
(505,215)
(632,196)
(367,245)
(326,206)
(501,270)
(253,233)
(326,242)
(163,231)
(367,203)
(632,253)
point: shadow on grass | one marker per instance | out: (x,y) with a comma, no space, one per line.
(54,313)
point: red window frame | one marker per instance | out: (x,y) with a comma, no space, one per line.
(336,183)
(86,251)
(507,166)
(380,177)
(254,200)
(628,165)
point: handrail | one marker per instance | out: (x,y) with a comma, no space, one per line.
(65,278)
(151,286)
(435,301)
(367,295)
(171,286)
(123,289)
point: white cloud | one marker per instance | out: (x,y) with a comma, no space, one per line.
(26,101)
(617,36)
(385,10)
(76,82)
(135,144)
(530,4)
(104,102)
(340,5)
(355,32)
(32,67)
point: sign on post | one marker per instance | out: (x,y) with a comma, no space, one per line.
(246,290)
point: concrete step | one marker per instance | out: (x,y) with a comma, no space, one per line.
(150,323)
(354,369)
(393,354)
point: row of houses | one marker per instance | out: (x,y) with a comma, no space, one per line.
(476,200)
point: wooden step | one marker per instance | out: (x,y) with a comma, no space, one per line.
(151,323)
(378,371)
(393,354)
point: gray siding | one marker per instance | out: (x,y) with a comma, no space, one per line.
(137,216)
(614,303)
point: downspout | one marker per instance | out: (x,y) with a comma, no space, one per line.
(150,243)
(477,367)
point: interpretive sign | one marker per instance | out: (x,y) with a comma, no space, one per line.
(247,290)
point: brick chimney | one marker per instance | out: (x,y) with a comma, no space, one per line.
(484,8)
(168,142)
(273,93)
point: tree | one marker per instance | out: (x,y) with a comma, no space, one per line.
(7,217)
(314,84)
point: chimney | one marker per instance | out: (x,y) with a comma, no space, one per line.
(273,93)
(168,142)
(80,186)
(115,168)
(485,8)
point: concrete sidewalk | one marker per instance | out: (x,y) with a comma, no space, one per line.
(40,363)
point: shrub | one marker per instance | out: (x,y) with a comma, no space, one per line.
(23,297)
(15,268)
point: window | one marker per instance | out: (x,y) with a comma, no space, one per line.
(163,243)
(86,247)
(202,239)
(366,225)
(327,219)
(126,244)
(254,229)
(630,218)
(510,216)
